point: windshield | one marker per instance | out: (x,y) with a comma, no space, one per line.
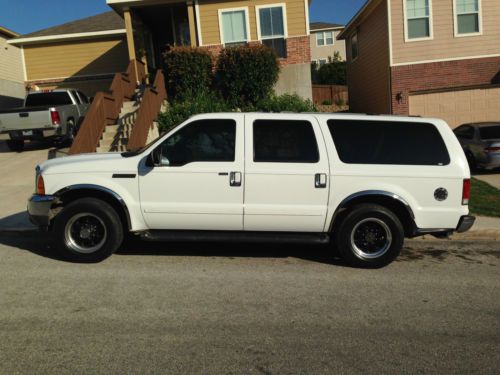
(490,132)
(48,99)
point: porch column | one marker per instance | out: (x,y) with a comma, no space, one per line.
(192,23)
(130,38)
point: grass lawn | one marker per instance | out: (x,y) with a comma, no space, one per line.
(484,199)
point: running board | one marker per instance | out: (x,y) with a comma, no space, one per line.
(236,236)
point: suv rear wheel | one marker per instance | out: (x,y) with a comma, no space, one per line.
(88,230)
(370,236)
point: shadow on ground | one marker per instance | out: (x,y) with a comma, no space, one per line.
(19,222)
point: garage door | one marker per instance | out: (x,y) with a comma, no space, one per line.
(458,107)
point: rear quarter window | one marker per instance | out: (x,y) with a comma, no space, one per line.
(388,142)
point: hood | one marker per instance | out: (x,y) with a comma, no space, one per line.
(85,163)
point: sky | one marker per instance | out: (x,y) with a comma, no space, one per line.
(25,16)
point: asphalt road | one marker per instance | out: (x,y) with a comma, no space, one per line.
(241,309)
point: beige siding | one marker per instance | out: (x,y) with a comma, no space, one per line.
(76,58)
(90,88)
(209,17)
(324,52)
(444,44)
(458,107)
(368,76)
(11,63)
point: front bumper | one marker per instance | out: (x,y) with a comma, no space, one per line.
(465,223)
(39,209)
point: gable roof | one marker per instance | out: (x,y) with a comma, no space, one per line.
(101,24)
(8,33)
(324,26)
(359,17)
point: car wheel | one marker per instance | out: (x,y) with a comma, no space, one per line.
(71,132)
(88,230)
(16,145)
(370,236)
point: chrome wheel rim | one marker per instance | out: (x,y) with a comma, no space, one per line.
(371,238)
(85,233)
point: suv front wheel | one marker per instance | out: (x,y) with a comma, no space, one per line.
(370,236)
(88,230)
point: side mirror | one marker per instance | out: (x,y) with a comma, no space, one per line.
(154,158)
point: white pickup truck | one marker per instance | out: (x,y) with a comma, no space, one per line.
(360,183)
(46,115)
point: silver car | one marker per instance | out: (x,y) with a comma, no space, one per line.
(481,143)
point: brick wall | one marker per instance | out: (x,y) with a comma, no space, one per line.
(298,50)
(440,76)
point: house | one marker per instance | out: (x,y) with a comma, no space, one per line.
(432,58)
(12,89)
(324,43)
(86,53)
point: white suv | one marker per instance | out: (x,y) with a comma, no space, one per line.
(362,183)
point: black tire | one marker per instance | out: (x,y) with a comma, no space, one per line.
(87,230)
(369,236)
(16,145)
(71,132)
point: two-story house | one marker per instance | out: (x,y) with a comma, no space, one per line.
(12,90)
(324,43)
(86,53)
(438,58)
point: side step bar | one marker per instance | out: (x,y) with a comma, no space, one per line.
(229,236)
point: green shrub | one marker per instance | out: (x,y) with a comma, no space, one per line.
(247,75)
(285,103)
(333,73)
(180,111)
(340,102)
(188,72)
(327,102)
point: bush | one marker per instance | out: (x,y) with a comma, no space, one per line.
(180,111)
(188,72)
(333,73)
(327,102)
(247,75)
(285,103)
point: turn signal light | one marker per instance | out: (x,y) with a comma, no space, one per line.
(492,149)
(466,192)
(40,185)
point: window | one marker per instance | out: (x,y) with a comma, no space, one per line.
(83,97)
(383,142)
(200,141)
(418,22)
(465,132)
(467,19)
(354,47)
(322,62)
(490,132)
(272,28)
(282,141)
(48,99)
(76,97)
(234,26)
(324,39)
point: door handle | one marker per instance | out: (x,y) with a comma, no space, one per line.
(320,180)
(235,179)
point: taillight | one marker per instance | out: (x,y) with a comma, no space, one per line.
(54,116)
(466,192)
(492,149)
(40,185)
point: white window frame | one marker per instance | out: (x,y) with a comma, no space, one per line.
(350,45)
(285,20)
(431,23)
(324,38)
(455,21)
(247,24)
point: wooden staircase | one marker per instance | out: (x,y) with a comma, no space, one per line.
(115,136)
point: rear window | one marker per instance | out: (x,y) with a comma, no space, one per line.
(490,132)
(381,142)
(283,141)
(46,99)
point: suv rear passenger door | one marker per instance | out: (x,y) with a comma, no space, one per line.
(286,174)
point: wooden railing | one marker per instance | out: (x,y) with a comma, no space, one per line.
(106,108)
(152,101)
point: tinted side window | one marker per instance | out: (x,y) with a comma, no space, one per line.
(466,132)
(202,141)
(380,142)
(46,99)
(283,141)
(83,97)
(490,132)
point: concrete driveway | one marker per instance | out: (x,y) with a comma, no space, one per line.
(17,173)
(492,178)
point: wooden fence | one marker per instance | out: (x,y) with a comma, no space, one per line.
(106,108)
(334,94)
(152,101)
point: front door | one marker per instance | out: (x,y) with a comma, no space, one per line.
(287,175)
(199,184)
